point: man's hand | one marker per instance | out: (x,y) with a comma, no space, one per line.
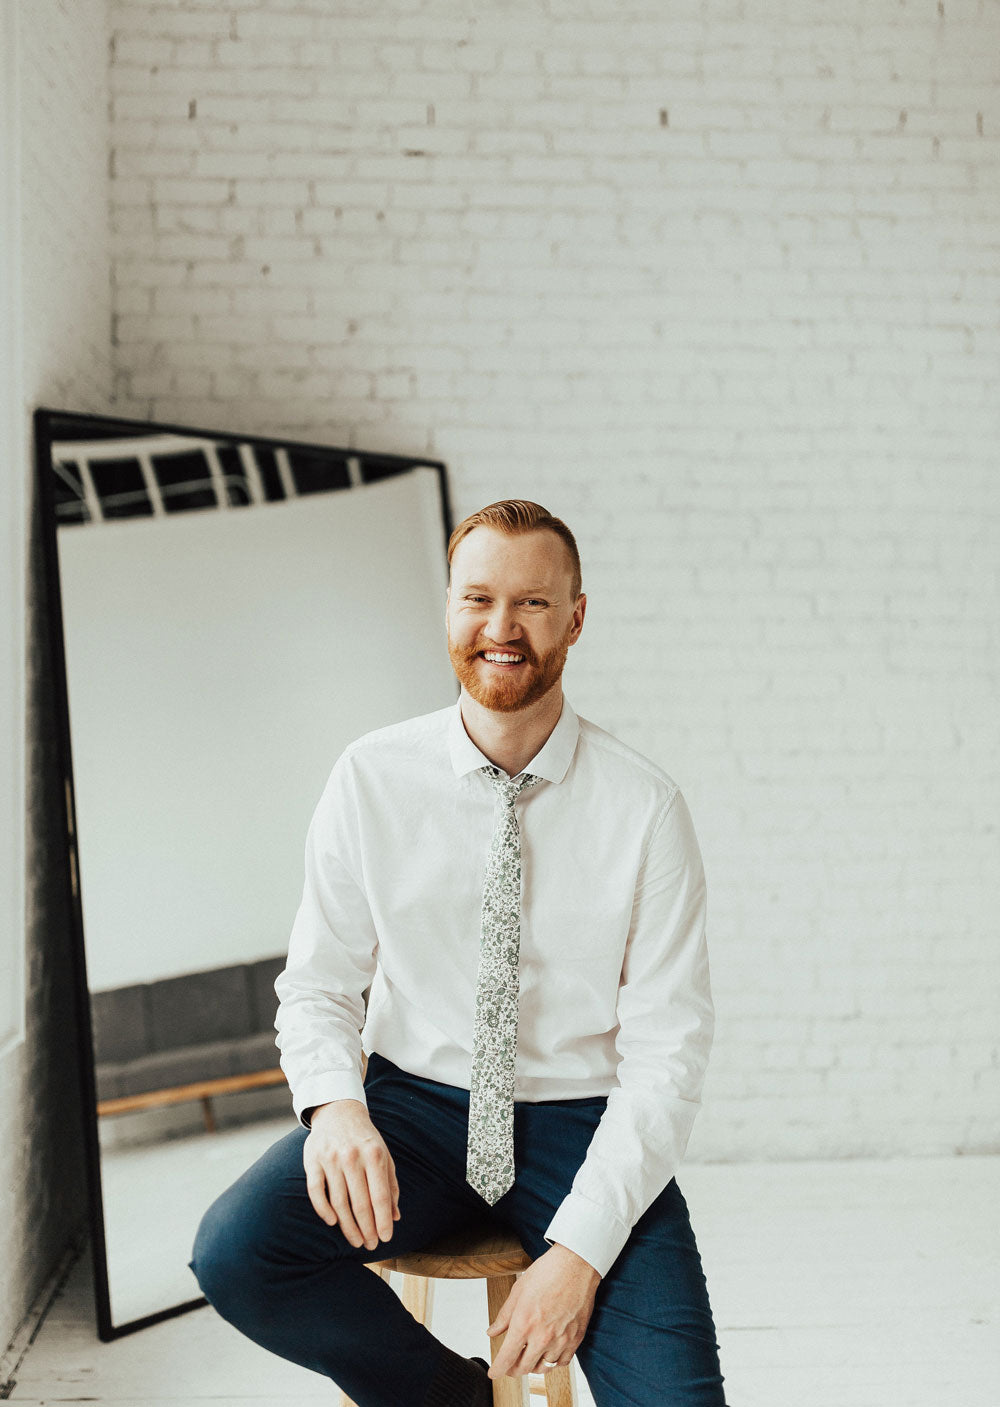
(350,1174)
(546,1313)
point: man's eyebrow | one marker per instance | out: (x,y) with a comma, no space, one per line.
(527,591)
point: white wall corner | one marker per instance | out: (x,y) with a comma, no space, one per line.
(15,442)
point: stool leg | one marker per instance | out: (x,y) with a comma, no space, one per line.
(559,1388)
(417,1295)
(507,1392)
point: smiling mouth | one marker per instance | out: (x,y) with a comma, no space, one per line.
(504,658)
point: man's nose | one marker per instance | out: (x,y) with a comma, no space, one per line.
(502,624)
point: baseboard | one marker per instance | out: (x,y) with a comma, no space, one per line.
(13,1355)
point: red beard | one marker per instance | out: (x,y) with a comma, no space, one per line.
(508,693)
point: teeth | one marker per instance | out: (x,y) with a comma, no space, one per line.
(495,658)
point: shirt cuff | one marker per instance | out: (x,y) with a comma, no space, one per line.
(323,1089)
(592,1231)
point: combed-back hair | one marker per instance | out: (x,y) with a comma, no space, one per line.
(519,515)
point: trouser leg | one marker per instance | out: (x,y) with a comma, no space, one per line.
(296,1286)
(291,1283)
(651,1339)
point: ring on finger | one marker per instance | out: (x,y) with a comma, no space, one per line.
(550,1362)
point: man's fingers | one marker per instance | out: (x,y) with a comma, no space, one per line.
(530,1359)
(340,1200)
(504,1362)
(383,1189)
(316,1187)
(499,1325)
(350,1174)
(361,1202)
(508,1362)
(382,1198)
(394,1188)
(550,1359)
(515,1359)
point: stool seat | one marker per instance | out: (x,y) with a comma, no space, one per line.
(478,1254)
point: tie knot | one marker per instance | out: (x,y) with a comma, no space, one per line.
(509,789)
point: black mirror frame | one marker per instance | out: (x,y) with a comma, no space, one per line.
(49,425)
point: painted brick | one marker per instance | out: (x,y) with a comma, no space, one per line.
(723,297)
(66,360)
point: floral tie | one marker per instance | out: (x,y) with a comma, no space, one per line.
(490,1159)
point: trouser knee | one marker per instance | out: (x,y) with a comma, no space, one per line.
(225,1258)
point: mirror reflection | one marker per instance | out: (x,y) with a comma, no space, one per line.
(234,612)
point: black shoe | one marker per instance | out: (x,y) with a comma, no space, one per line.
(486,1398)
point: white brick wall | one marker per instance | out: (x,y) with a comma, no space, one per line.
(65,361)
(718,282)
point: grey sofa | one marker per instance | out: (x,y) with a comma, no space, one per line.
(186,1037)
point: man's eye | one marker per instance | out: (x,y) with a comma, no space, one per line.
(533,601)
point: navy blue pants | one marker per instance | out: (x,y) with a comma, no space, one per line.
(271,1267)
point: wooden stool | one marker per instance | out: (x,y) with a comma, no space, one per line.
(489,1254)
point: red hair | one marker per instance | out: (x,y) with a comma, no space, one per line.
(519,515)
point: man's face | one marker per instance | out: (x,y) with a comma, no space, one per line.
(511,615)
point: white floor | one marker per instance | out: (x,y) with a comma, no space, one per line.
(853,1284)
(154,1197)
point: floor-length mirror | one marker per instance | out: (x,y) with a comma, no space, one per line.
(227,613)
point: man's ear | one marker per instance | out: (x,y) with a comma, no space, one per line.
(579,611)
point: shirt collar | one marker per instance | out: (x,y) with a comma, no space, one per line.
(551,762)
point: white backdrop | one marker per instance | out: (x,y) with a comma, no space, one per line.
(218,662)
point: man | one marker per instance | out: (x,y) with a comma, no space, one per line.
(511,904)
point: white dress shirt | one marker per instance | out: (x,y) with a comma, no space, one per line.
(615,996)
